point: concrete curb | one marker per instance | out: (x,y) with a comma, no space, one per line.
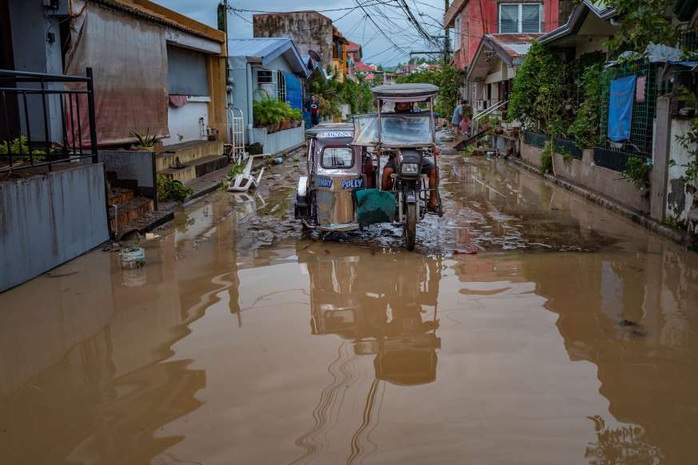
(648,223)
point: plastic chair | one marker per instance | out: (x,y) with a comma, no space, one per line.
(244,181)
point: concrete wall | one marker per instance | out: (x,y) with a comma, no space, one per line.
(279,141)
(679,199)
(131,166)
(50,219)
(307,29)
(586,174)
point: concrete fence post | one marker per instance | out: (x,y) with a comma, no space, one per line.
(660,159)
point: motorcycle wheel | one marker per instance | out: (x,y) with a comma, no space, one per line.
(411,226)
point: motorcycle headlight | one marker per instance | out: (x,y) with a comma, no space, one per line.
(409,168)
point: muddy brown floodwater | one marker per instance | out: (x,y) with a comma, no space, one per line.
(570,338)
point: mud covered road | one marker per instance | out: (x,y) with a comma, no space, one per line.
(566,335)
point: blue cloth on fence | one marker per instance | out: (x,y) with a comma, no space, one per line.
(294,94)
(620,108)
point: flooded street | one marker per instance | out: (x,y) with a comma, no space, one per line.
(570,337)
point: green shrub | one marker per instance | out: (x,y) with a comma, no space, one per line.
(169,189)
(19,148)
(637,171)
(268,110)
(585,128)
(546,157)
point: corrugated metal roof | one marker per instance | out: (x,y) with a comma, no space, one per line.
(144,13)
(268,49)
(515,45)
(258,47)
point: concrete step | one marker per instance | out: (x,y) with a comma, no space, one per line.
(120,195)
(186,153)
(196,169)
(126,212)
(144,223)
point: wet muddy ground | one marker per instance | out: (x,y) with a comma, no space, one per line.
(568,338)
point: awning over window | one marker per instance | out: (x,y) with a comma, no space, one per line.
(294,93)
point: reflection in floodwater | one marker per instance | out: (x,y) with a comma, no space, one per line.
(384,308)
(548,356)
(85,376)
(621,445)
(381,317)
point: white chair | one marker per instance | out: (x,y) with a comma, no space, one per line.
(244,181)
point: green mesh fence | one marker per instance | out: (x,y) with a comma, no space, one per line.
(644,107)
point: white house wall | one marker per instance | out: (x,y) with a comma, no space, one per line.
(678,201)
(188,123)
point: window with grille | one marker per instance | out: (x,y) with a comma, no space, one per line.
(520,18)
(282,87)
(267,83)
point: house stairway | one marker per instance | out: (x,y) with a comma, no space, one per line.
(130,213)
(190,160)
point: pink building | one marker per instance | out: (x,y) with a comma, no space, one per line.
(472,19)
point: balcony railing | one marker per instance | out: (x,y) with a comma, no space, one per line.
(46,120)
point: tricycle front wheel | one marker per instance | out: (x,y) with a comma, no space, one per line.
(411,226)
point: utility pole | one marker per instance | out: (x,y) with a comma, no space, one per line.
(447,37)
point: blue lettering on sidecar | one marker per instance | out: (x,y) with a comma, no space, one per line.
(357,183)
(325,182)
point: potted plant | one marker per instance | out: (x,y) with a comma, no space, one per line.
(145,141)
(268,112)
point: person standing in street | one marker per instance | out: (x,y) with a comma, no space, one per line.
(314,107)
(457,117)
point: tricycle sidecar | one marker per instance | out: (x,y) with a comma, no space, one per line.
(336,169)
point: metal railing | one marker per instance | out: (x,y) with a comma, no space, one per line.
(487,112)
(46,119)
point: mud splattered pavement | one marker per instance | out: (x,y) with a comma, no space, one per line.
(569,338)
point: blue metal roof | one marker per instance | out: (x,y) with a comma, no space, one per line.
(268,49)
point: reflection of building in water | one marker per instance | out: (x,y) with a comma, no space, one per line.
(380,307)
(631,316)
(89,382)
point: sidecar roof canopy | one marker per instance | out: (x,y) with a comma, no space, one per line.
(417,92)
(331,130)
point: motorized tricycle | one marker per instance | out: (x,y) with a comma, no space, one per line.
(404,144)
(380,169)
(325,198)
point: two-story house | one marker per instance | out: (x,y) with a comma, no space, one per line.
(493,36)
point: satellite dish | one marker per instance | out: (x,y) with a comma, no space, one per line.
(315,56)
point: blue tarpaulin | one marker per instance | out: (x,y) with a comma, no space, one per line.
(294,94)
(620,111)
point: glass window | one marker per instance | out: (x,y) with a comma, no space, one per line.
(508,19)
(517,18)
(337,157)
(457,35)
(530,18)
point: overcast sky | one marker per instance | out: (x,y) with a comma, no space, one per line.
(380,26)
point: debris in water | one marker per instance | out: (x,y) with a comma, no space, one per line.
(470,250)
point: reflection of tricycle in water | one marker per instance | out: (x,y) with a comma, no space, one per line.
(340,192)
(381,306)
